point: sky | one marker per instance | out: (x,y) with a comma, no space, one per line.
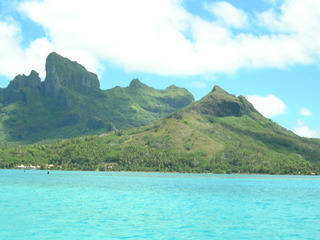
(265,50)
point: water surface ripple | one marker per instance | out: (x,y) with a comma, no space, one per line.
(110,205)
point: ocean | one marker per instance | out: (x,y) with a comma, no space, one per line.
(127,205)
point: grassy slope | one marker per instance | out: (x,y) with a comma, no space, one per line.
(42,119)
(186,141)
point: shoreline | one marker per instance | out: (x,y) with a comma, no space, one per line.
(160,172)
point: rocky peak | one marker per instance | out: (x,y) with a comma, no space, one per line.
(220,103)
(61,72)
(32,81)
(135,83)
(216,88)
(16,88)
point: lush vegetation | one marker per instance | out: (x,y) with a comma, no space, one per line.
(69,103)
(140,150)
(185,141)
(220,133)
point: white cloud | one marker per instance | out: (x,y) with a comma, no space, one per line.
(161,37)
(139,35)
(269,106)
(305,112)
(10,51)
(228,14)
(13,58)
(295,16)
(304,131)
(298,20)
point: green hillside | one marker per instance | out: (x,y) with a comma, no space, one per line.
(220,133)
(70,103)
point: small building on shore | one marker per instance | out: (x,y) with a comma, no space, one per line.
(20,167)
(31,167)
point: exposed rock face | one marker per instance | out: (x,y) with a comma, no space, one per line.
(69,102)
(247,106)
(61,72)
(16,88)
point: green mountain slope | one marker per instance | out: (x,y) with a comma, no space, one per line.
(220,133)
(70,103)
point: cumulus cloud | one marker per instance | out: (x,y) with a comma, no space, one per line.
(228,14)
(298,20)
(10,52)
(269,106)
(162,37)
(138,35)
(303,130)
(305,112)
(13,58)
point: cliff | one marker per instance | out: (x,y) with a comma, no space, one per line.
(221,133)
(17,87)
(70,103)
(63,73)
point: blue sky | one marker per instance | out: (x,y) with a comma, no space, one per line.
(266,50)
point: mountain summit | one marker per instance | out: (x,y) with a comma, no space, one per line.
(70,103)
(61,72)
(221,133)
(15,91)
(219,103)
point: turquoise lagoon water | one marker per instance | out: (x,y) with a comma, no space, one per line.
(110,205)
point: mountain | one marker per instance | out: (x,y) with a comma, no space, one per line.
(220,133)
(70,103)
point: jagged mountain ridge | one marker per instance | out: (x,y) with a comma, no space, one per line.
(221,104)
(220,133)
(70,103)
(225,133)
